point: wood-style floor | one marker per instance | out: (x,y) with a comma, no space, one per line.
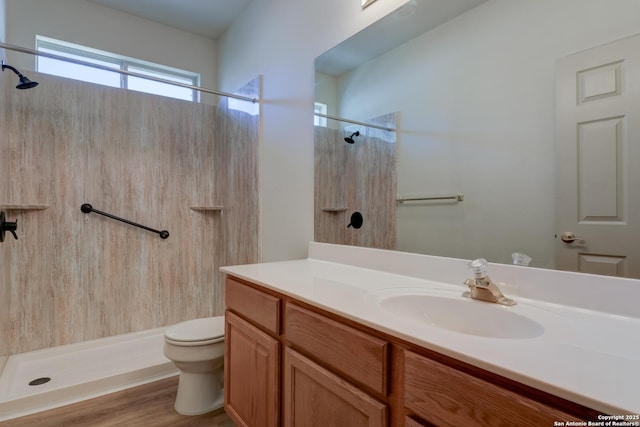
(149,405)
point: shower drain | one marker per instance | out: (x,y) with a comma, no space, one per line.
(40,381)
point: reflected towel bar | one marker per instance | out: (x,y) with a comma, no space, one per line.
(457,198)
(87,208)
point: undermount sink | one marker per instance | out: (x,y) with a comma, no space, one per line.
(463,315)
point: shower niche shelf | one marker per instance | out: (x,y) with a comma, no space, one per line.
(22,207)
(207,208)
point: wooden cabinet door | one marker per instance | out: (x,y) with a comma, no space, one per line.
(315,397)
(444,396)
(251,374)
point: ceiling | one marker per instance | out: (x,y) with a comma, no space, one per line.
(208,18)
(409,21)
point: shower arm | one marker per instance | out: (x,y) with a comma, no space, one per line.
(87,208)
(127,72)
(4,65)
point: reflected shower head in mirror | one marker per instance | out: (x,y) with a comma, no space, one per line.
(349,139)
(25,83)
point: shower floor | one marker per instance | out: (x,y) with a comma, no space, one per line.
(81,371)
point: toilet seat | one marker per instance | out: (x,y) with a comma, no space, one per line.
(209,330)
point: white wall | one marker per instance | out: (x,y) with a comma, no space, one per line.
(3,25)
(476,98)
(326,92)
(279,39)
(93,25)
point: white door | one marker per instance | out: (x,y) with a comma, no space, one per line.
(598,160)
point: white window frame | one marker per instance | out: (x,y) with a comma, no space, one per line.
(319,108)
(120,62)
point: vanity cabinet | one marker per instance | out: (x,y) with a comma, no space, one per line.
(252,356)
(290,363)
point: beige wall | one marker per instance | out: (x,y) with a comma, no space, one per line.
(73,276)
(48,296)
(4,278)
(358,177)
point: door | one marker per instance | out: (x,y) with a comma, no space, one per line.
(598,160)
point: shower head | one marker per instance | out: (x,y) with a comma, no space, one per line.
(25,83)
(349,139)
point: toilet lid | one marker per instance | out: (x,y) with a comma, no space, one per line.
(197,330)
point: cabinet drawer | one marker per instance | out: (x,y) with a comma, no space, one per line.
(358,356)
(257,306)
(445,396)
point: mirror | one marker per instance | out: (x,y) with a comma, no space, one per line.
(473,84)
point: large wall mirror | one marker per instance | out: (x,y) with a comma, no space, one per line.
(473,84)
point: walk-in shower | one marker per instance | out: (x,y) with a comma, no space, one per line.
(88,298)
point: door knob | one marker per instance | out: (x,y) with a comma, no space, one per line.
(569,237)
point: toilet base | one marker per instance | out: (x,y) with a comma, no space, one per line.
(199,393)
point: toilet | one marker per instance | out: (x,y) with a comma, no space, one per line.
(196,347)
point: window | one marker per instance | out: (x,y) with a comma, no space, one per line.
(108,78)
(320,108)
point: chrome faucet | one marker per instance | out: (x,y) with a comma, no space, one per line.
(481,287)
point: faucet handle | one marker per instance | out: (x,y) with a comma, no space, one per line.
(478,267)
(520,258)
(481,287)
(11,227)
(5,226)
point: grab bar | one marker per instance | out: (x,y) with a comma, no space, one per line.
(457,198)
(87,208)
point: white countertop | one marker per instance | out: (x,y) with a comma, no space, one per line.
(590,355)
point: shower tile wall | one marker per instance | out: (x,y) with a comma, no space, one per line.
(73,276)
(4,291)
(359,177)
